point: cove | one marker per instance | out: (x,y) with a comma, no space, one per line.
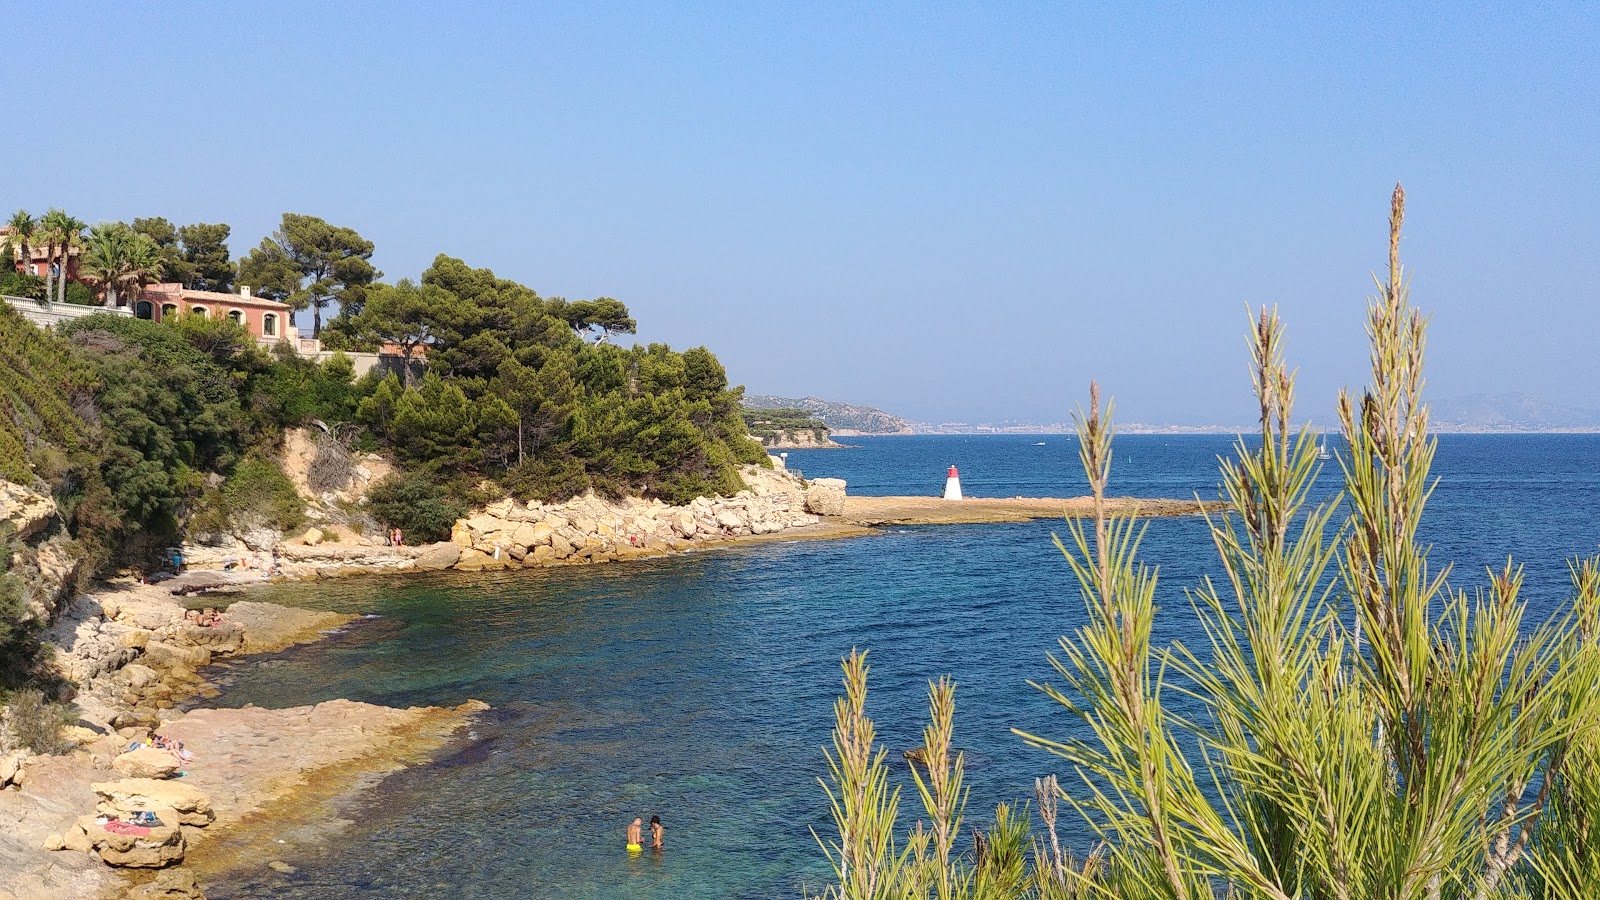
(699,687)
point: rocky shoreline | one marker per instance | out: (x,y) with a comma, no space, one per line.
(135,658)
(511,534)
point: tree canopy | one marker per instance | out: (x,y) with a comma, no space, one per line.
(308,263)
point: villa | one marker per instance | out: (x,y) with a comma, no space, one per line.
(268,321)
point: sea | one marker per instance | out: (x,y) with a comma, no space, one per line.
(700,688)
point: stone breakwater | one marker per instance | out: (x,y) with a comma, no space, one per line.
(513,534)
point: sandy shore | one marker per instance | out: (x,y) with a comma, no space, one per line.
(871,511)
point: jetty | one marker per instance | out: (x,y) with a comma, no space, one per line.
(872,511)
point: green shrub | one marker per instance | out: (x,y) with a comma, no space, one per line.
(81,294)
(416,505)
(256,492)
(34,723)
(21,284)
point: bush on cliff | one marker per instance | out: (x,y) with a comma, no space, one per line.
(415,504)
(256,493)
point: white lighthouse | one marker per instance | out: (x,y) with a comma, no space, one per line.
(952,485)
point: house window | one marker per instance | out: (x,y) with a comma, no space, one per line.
(269,325)
(168,310)
(143,310)
(236,317)
(198,311)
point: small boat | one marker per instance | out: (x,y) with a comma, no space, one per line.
(1322,451)
(1040,444)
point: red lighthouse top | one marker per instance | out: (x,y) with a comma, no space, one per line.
(951,473)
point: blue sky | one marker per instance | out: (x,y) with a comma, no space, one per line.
(954,212)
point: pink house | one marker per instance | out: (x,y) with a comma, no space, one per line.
(267,320)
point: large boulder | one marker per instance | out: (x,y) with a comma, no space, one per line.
(162,846)
(825,497)
(477,561)
(442,555)
(24,510)
(532,534)
(188,805)
(10,765)
(146,762)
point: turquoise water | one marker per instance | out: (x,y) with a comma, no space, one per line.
(699,688)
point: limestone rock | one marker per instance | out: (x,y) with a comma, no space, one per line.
(531,534)
(26,511)
(163,846)
(146,762)
(825,497)
(164,655)
(173,884)
(442,555)
(477,561)
(188,805)
(312,537)
(10,765)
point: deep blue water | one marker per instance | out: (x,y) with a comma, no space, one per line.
(700,687)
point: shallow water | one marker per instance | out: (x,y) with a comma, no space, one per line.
(699,688)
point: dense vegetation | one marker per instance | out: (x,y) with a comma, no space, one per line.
(146,431)
(837,416)
(772,426)
(1369,731)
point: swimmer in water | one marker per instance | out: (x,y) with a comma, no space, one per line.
(656,830)
(635,839)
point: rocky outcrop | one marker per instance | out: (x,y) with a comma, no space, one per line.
(512,534)
(152,848)
(300,450)
(800,439)
(133,654)
(26,511)
(587,529)
(43,558)
(146,762)
(825,496)
(188,805)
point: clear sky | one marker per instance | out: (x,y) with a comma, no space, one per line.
(953,212)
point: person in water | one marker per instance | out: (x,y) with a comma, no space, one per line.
(656,830)
(635,839)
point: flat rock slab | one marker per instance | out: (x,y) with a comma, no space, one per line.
(269,627)
(868,511)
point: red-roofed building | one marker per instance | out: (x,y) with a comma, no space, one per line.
(267,320)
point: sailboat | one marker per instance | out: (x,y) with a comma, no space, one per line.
(1322,451)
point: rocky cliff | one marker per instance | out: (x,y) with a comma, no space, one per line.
(42,553)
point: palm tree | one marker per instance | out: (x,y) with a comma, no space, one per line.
(60,233)
(71,236)
(23,227)
(120,260)
(48,233)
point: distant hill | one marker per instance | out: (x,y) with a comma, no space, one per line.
(841,418)
(1509,412)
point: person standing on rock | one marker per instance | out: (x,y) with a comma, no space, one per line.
(635,836)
